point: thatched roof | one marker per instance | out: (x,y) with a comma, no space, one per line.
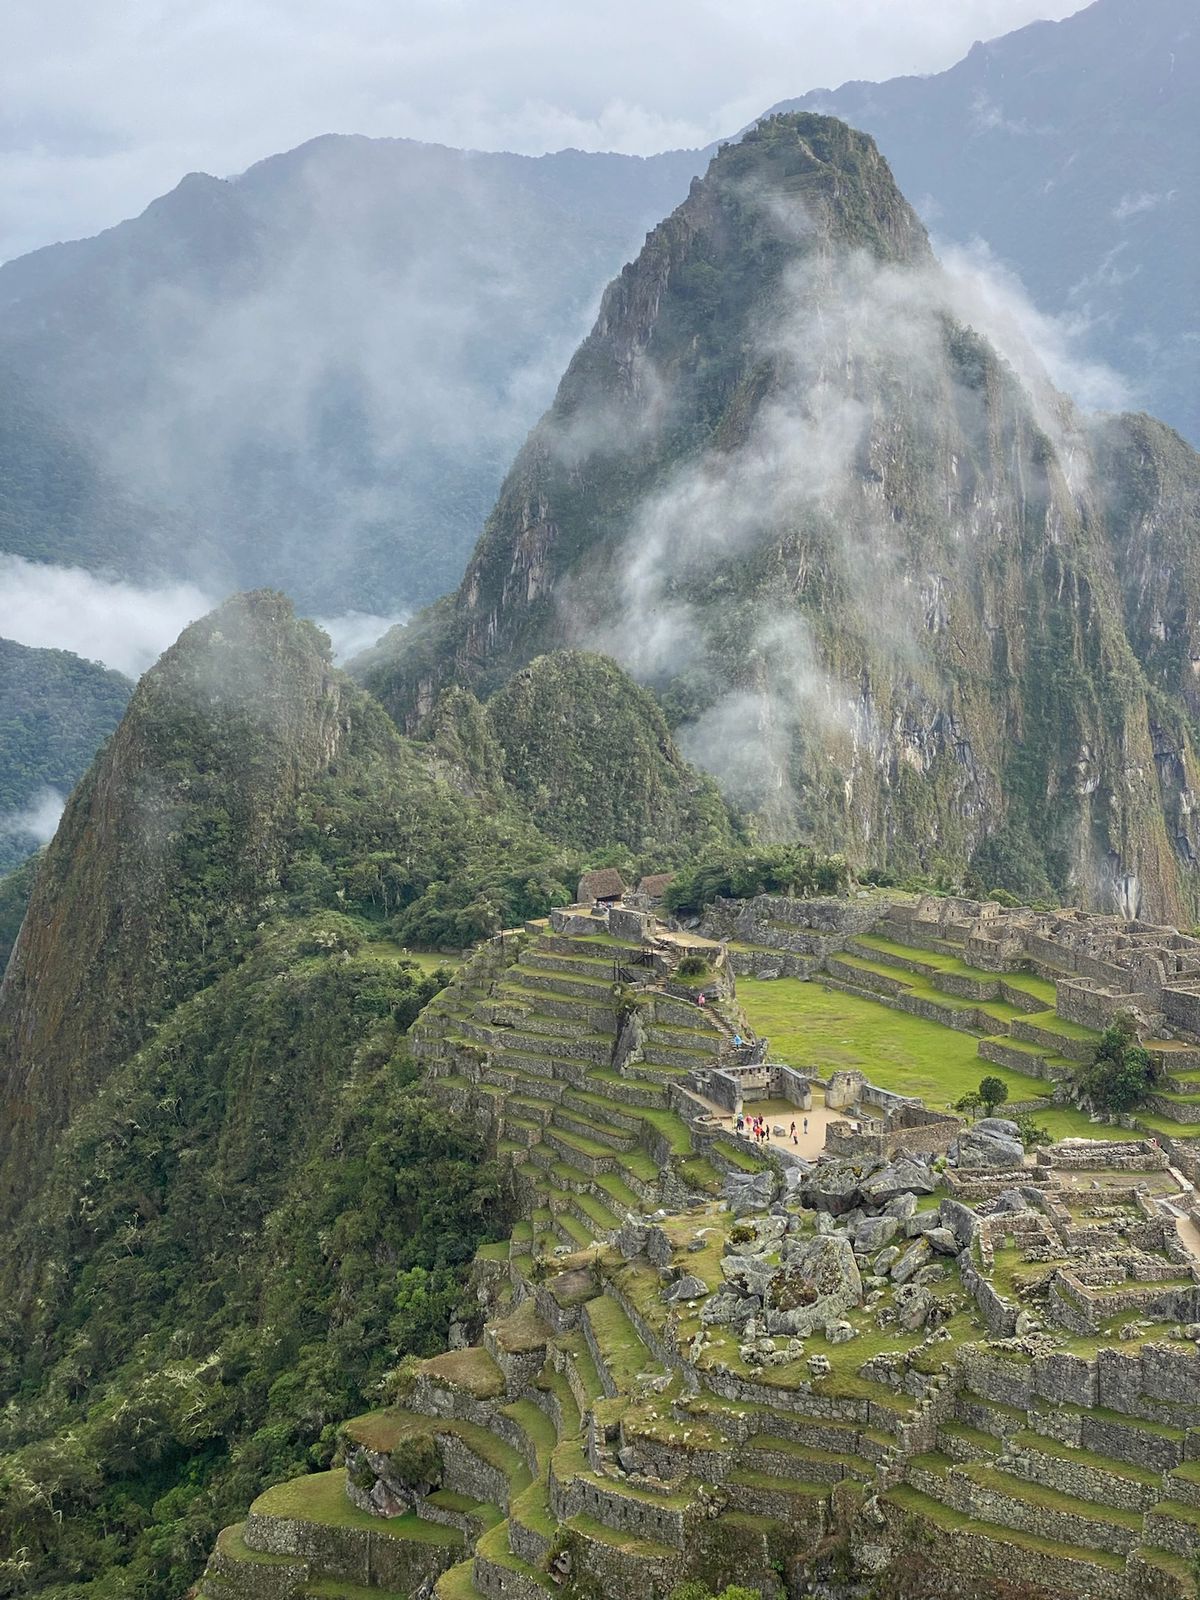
(654,884)
(606,883)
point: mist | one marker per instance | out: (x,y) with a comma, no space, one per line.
(123,625)
(859,357)
(34,825)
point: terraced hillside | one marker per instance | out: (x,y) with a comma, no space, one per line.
(611,1428)
(883,1365)
(570,1052)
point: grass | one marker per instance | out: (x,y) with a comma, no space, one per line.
(823,1030)
(951,1521)
(617,1339)
(427,960)
(321,1497)
(458,1583)
(589,1528)
(1050,1499)
(471,1369)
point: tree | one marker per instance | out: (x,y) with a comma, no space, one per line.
(1120,1074)
(993,1092)
(969,1102)
(1032,1133)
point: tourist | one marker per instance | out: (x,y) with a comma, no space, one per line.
(737,1041)
(700,998)
(741,1122)
(806,1127)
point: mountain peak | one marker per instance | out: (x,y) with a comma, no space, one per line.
(169,844)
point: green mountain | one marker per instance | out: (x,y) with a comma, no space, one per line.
(56,709)
(228,1205)
(889,587)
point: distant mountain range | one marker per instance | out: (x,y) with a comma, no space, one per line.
(1072,149)
(314,375)
(55,710)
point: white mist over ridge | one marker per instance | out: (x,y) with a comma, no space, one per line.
(817,459)
(36,822)
(124,625)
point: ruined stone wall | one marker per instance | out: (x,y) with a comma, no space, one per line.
(358,1555)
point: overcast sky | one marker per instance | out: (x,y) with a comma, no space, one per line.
(106,103)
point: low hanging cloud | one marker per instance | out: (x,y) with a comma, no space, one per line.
(123,625)
(35,823)
(356,631)
(808,491)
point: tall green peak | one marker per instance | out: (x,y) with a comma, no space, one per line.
(170,845)
(890,588)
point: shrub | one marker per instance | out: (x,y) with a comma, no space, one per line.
(1120,1074)
(692,967)
(416,1462)
(1032,1133)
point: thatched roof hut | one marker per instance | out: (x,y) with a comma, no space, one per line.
(654,885)
(605,885)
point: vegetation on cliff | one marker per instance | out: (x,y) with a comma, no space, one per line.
(591,757)
(257,1214)
(58,709)
(229,1207)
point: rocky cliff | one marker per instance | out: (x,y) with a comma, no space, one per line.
(888,585)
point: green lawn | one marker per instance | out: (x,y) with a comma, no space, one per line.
(810,1026)
(428,960)
(321,1497)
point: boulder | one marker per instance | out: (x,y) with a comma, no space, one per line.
(943,1241)
(1002,1126)
(961,1219)
(872,1233)
(902,1207)
(833,1186)
(746,1192)
(689,1287)
(840,1332)
(748,1275)
(818,1282)
(725,1309)
(978,1148)
(631,1240)
(903,1176)
(914,1258)
(923,1222)
(911,1304)
(885,1259)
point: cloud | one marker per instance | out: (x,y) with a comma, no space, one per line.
(1132,205)
(107,105)
(990,297)
(121,624)
(37,821)
(734,564)
(355,631)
